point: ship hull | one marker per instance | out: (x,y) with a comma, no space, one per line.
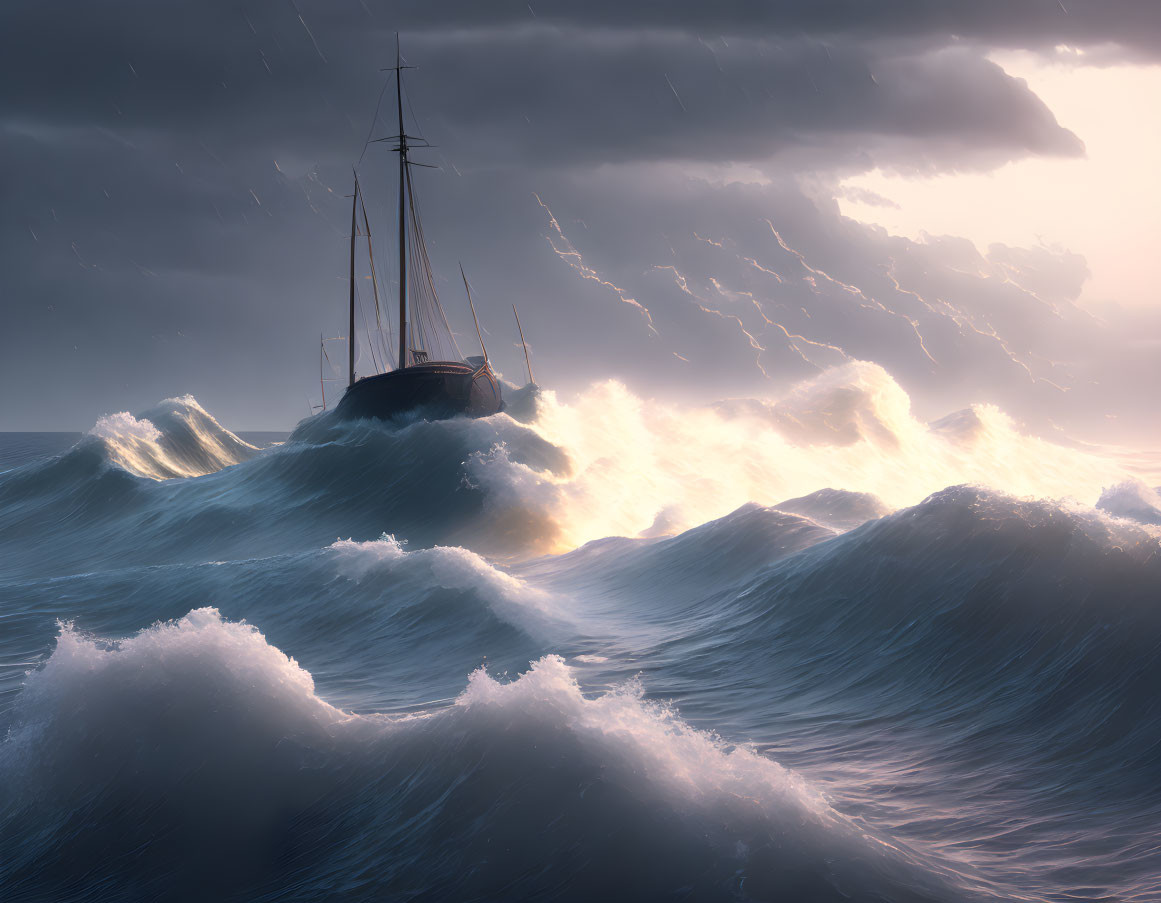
(440,389)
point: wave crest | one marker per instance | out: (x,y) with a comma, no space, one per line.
(198,741)
(450,567)
(176,438)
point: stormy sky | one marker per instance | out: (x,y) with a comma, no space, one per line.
(656,185)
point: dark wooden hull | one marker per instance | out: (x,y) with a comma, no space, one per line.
(440,388)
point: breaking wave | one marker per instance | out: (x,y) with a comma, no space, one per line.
(177,438)
(196,741)
(1134,500)
(638,466)
(604,464)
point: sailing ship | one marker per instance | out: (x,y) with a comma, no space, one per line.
(429,371)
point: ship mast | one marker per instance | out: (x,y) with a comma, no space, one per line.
(424,288)
(351,321)
(404,349)
(475,319)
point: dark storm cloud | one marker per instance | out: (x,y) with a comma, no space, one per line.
(657,97)
(173,216)
(1009,23)
(523,91)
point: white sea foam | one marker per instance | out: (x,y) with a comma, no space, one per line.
(202,672)
(192,655)
(452,568)
(642,467)
(665,750)
(737,799)
(200,731)
(1133,500)
(123,426)
(203,669)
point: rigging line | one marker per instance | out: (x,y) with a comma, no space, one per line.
(423,327)
(367,329)
(330,364)
(426,331)
(419,131)
(527,359)
(422,243)
(415,294)
(374,120)
(475,319)
(434,308)
(374,279)
(321,382)
(419,282)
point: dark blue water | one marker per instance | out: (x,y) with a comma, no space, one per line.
(341,668)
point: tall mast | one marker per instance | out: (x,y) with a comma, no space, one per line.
(404,350)
(351,320)
(475,319)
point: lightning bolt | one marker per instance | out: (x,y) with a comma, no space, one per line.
(769,272)
(1005,269)
(845,286)
(709,241)
(683,284)
(792,338)
(566,251)
(754,343)
(965,322)
(749,260)
(866,301)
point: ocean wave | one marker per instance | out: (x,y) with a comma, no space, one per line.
(663,575)
(133,763)
(972,580)
(451,568)
(837,508)
(970,620)
(1133,500)
(175,438)
(605,463)
(357,609)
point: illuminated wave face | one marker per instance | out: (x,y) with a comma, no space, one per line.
(636,464)
(177,438)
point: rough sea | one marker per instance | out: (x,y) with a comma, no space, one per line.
(597,648)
